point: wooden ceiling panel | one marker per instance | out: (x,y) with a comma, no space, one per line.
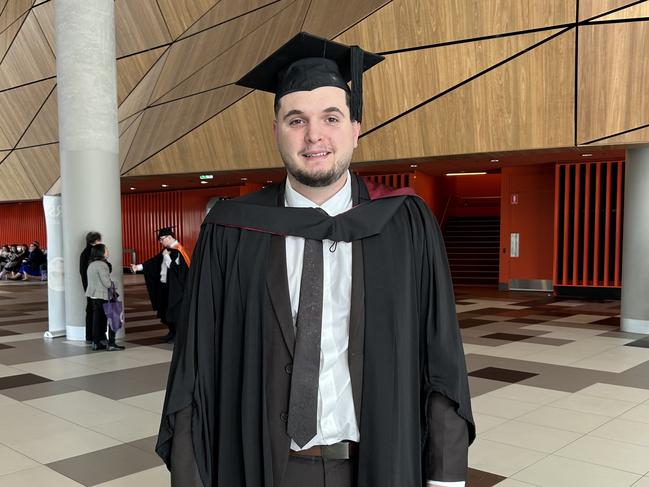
(164,124)
(591,8)
(29,59)
(638,11)
(181,14)
(45,127)
(41,165)
(139,97)
(13,10)
(639,136)
(249,51)
(328,18)
(45,16)
(190,55)
(56,188)
(7,35)
(407,23)
(139,26)
(126,138)
(19,107)
(613,77)
(239,138)
(224,11)
(5,143)
(526,103)
(131,69)
(15,184)
(413,77)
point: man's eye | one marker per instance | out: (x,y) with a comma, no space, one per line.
(332,119)
(296,121)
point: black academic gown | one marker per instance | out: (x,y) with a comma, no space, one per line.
(226,392)
(166,300)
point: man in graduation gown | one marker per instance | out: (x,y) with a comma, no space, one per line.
(165,276)
(389,404)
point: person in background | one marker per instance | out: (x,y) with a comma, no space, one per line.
(12,262)
(92,238)
(165,276)
(31,263)
(99,283)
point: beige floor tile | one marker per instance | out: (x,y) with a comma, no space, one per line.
(37,477)
(516,350)
(594,405)
(147,355)
(535,395)
(513,483)
(135,427)
(12,461)
(57,369)
(564,419)
(151,402)
(485,422)
(609,453)
(631,394)
(158,476)
(6,371)
(581,318)
(501,407)
(556,471)
(638,413)
(471,348)
(623,430)
(105,361)
(643,482)
(501,459)
(531,436)
(618,359)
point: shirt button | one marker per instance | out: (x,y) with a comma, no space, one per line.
(289,368)
(284,417)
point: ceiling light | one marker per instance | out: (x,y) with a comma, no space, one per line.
(164,185)
(413,166)
(203,182)
(132,188)
(586,155)
(465,173)
(206,176)
(494,160)
(244,179)
(269,181)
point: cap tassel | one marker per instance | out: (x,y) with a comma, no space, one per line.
(356,68)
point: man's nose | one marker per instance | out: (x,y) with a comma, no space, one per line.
(313,133)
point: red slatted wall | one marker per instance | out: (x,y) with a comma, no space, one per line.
(22,223)
(393,180)
(588,224)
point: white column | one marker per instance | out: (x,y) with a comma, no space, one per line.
(55,285)
(89,141)
(635,251)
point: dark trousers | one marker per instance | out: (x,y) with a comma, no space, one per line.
(100,323)
(88,319)
(317,472)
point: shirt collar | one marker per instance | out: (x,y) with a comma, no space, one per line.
(338,203)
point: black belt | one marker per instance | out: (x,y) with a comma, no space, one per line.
(338,451)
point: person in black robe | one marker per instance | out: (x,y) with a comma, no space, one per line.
(92,239)
(165,276)
(224,420)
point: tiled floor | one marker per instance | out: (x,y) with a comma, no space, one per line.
(560,395)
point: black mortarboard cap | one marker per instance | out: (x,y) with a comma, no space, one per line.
(163,232)
(307,62)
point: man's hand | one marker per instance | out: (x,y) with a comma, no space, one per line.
(133,268)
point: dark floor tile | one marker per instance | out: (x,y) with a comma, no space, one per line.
(512,337)
(106,465)
(494,311)
(4,333)
(145,444)
(503,375)
(478,478)
(557,342)
(471,322)
(643,342)
(20,380)
(144,341)
(610,321)
(35,391)
(527,321)
(478,386)
(4,346)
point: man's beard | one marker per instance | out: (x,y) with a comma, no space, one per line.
(318,179)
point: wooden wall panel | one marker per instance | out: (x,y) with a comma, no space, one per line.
(640,136)
(139,26)
(45,15)
(238,138)
(12,11)
(613,77)
(408,23)
(591,8)
(23,223)
(250,50)
(126,139)
(7,35)
(197,52)
(181,14)
(44,129)
(328,18)
(30,57)
(41,165)
(164,124)
(19,106)
(415,76)
(130,70)
(526,103)
(226,11)
(635,12)
(15,184)
(139,97)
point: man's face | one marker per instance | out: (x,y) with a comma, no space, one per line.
(315,135)
(166,241)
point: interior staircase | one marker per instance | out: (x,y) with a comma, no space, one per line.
(473,248)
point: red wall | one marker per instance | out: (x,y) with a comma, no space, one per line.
(532,217)
(22,223)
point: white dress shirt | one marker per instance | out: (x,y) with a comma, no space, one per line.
(336,417)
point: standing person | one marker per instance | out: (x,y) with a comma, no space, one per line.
(319,343)
(99,283)
(165,276)
(92,238)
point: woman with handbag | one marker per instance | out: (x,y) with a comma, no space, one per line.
(99,284)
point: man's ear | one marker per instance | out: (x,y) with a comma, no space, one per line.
(357,132)
(275,128)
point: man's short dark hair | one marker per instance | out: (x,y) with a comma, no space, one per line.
(348,101)
(92,237)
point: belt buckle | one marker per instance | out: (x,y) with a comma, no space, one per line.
(337,451)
